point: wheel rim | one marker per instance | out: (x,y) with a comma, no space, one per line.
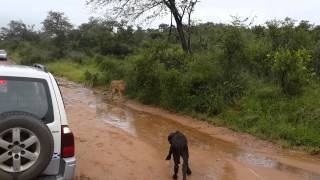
(19,149)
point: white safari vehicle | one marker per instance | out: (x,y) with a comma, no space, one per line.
(35,140)
(3,55)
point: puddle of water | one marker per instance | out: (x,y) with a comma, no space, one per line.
(155,129)
(116,117)
(257,160)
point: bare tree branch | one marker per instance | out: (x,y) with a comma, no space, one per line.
(148,10)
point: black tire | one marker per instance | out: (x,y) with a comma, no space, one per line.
(30,122)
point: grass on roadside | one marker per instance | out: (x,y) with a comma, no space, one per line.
(268,114)
(71,70)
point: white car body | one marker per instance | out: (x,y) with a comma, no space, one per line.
(59,167)
(3,55)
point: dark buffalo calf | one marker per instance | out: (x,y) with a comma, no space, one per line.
(179,148)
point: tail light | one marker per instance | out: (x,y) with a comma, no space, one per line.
(67,142)
(3,82)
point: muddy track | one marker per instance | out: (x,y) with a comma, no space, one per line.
(129,141)
(6,62)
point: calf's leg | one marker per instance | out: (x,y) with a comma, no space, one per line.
(185,167)
(176,158)
(189,172)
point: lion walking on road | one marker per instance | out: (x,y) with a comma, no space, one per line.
(117,88)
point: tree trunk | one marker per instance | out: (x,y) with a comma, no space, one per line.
(170,30)
(189,31)
(178,18)
(182,36)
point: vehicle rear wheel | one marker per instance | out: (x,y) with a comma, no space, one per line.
(26,146)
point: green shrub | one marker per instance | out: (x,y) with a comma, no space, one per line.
(116,48)
(315,62)
(290,68)
(111,69)
(174,58)
(146,79)
(29,55)
(173,89)
(156,75)
(166,76)
(98,59)
(234,52)
(259,57)
(91,79)
(204,77)
(76,56)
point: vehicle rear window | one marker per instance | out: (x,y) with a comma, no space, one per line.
(26,95)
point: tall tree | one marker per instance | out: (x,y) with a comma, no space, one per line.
(56,24)
(57,27)
(149,9)
(16,30)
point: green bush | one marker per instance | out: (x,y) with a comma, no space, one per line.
(166,76)
(29,55)
(111,69)
(259,57)
(144,81)
(98,59)
(92,79)
(315,62)
(76,56)
(234,52)
(152,77)
(290,68)
(174,94)
(116,48)
(204,82)
(174,58)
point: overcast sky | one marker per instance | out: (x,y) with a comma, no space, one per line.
(34,11)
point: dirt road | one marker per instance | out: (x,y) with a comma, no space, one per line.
(6,62)
(129,141)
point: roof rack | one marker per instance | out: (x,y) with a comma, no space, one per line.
(41,67)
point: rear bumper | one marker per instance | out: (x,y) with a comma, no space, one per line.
(66,172)
(67,169)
